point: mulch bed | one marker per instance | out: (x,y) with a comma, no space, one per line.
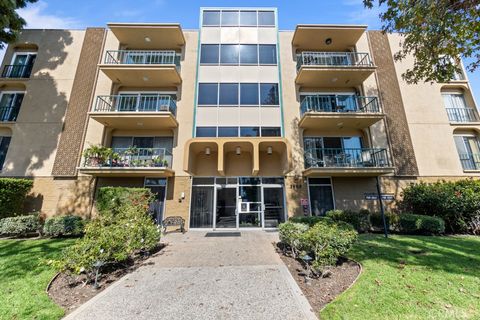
(71,291)
(321,291)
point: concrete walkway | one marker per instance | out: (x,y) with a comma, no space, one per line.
(198,277)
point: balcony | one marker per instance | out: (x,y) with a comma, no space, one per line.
(327,37)
(149,35)
(333,69)
(331,112)
(470,161)
(17,71)
(136,111)
(143,68)
(9,114)
(462,115)
(346,162)
(130,162)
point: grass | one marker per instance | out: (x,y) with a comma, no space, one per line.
(24,276)
(412,277)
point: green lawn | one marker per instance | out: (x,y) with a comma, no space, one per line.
(412,277)
(24,277)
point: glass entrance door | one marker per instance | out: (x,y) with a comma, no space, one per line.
(273,208)
(250,206)
(226,211)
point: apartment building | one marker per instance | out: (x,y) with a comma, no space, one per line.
(235,125)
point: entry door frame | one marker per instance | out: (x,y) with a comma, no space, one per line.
(145,185)
(274,186)
(216,188)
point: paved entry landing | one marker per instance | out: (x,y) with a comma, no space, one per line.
(205,277)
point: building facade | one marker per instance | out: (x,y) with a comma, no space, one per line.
(234,125)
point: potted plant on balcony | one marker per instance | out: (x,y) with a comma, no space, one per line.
(157,162)
(97,156)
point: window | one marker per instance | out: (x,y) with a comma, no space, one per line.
(239,54)
(228,131)
(249,94)
(4,143)
(269,94)
(268,54)
(206,132)
(248,18)
(271,132)
(208,94)
(21,65)
(468,148)
(229,18)
(211,18)
(228,94)
(249,131)
(229,54)
(209,53)
(248,54)
(10,103)
(320,196)
(266,18)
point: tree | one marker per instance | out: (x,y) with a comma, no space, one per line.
(10,22)
(438,33)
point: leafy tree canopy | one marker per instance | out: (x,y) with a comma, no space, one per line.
(438,33)
(10,22)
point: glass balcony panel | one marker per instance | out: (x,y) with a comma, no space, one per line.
(339,103)
(136,103)
(345,158)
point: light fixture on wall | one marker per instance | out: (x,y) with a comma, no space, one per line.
(147,39)
(269,150)
(328,41)
(238,151)
(207,151)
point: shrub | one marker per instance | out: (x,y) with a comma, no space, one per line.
(326,241)
(111,200)
(289,234)
(309,220)
(20,226)
(457,203)
(12,196)
(116,235)
(376,220)
(63,226)
(359,220)
(421,224)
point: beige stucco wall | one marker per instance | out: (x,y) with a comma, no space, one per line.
(36,132)
(431,132)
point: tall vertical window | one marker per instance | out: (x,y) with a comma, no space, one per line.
(229,18)
(249,94)
(10,103)
(457,109)
(468,147)
(321,195)
(228,94)
(266,18)
(267,54)
(229,53)
(208,94)
(248,18)
(4,144)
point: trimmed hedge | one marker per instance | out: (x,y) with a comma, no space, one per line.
(421,224)
(63,226)
(308,220)
(325,241)
(457,203)
(20,226)
(12,196)
(359,220)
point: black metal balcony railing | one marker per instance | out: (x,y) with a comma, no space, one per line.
(339,103)
(9,113)
(335,59)
(462,115)
(142,57)
(17,71)
(470,161)
(132,158)
(136,103)
(346,158)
